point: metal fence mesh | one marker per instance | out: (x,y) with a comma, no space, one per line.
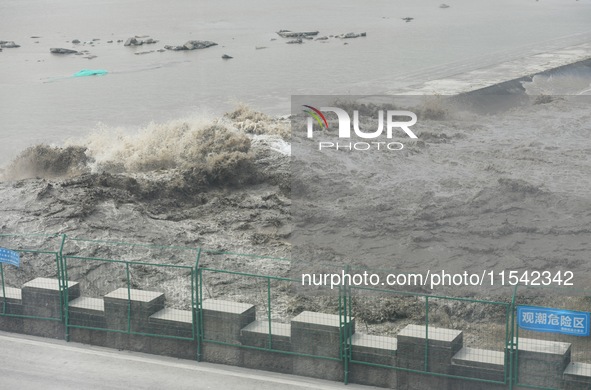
(254,302)
(38,273)
(132,308)
(419,332)
(544,359)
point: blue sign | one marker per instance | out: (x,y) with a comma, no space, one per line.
(10,257)
(543,319)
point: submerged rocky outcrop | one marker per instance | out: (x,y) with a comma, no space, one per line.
(60,50)
(191,45)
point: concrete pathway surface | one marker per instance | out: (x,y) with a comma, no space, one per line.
(28,362)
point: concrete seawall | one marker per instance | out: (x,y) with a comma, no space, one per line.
(312,344)
(504,76)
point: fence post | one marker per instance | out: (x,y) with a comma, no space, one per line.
(348,318)
(507,369)
(193,305)
(199,314)
(513,344)
(269,312)
(197,318)
(3,290)
(128,298)
(426,333)
(62,276)
(344,314)
(66,299)
(62,282)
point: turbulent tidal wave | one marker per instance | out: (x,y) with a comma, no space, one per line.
(500,190)
(479,189)
(220,182)
(198,144)
(506,190)
(570,80)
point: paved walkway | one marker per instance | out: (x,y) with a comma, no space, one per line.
(28,362)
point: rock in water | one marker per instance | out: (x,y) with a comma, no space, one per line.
(354,35)
(194,45)
(226,57)
(8,45)
(76,41)
(299,40)
(174,48)
(59,50)
(191,45)
(296,34)
(133,42)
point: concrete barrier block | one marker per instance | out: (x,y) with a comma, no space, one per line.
(257,334)
(89,336)
(172,322)
(577,376)
(320,335)
(222,322)
(12,303)
(41,297)
(373,350)
(542,363)
(442,345)
(13,295)
(478,364)
(9,306)
(182,349)
(87,312)
(131,309)
(414,350)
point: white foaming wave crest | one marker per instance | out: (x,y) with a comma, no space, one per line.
(179,143)
(575,80)
(154,147)
(199,143)
(274,143)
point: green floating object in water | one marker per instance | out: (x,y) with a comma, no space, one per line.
(90,72)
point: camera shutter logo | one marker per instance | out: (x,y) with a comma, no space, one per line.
(392,124)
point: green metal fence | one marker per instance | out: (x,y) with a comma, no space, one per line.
(265,283)
(166,291)
(135,280)
(385,314)
(34,249)
(564,353)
